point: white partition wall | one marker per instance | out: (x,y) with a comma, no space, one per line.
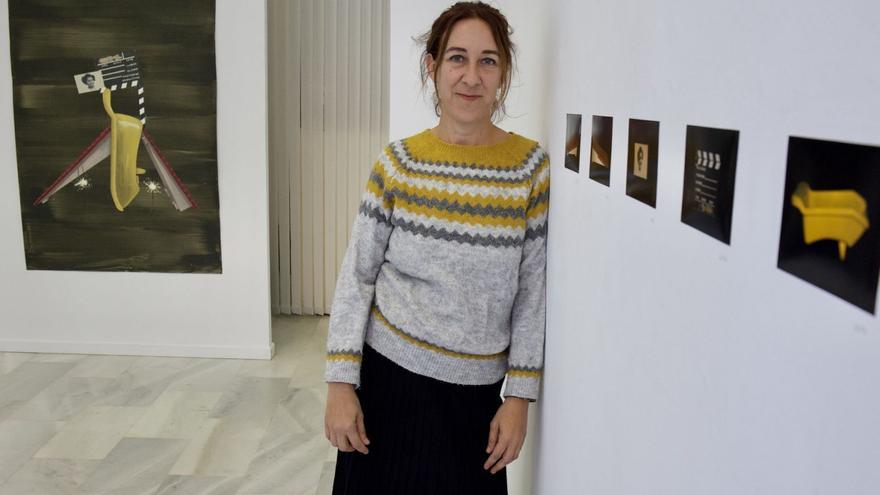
(676,364)
(225,315)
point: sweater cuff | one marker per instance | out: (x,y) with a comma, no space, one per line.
(525,387)
(345,369)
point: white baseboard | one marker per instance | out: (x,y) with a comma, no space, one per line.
(137,349)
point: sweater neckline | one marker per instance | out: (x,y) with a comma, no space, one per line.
(467,147)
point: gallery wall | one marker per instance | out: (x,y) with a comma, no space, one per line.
(209,315)
(675,363)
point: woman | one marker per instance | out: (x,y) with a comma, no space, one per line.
(441,291)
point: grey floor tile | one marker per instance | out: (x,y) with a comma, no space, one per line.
(50,477)
(200,485)
(136,466)
(20,440)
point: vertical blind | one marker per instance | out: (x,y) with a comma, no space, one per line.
(328,121)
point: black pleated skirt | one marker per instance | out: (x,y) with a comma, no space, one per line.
(427,437)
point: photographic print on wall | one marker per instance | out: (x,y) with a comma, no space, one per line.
(572,141)
(115,130)
(641,163)
(600,149)
(709,176)
(831,208)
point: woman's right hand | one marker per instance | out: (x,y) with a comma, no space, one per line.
(344,419)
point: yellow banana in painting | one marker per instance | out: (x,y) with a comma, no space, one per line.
(838,215)
(125,136)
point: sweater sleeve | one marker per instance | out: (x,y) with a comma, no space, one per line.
(356,283)
(526,355)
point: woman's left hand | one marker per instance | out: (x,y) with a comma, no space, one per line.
(507,433)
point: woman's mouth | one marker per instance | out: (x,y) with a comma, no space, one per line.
(468,97)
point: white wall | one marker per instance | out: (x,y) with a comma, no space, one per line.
(676,364)
(412,110)
(155,313)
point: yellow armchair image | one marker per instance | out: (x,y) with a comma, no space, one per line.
(839,215)
(125,136)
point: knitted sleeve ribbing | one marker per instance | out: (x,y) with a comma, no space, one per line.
(356,283)
(526,357)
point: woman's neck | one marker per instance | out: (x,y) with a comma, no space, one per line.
(468,134)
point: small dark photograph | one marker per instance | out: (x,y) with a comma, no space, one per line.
(709,176)
(600,149)
(572,141)
(830,237)
(641,163)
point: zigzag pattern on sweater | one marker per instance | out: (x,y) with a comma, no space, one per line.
(458,207)
(540,198)
(524,371)
(375,213)
(435,185)
(403,154)
(462,238)
(456,171)
(345,355)
(536,233)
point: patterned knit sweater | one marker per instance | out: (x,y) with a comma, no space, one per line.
(445,270)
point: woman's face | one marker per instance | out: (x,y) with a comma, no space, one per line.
(470,74)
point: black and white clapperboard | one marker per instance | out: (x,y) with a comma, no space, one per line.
(709,176)
(120,71)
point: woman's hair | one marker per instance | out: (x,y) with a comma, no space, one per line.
(436,40)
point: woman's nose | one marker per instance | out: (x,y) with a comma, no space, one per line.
(471,75)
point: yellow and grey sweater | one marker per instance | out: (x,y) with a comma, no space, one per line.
(445,270)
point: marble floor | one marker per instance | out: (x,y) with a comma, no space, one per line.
(94,424)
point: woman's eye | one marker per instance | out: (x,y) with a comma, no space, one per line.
(456,58)
(490,61)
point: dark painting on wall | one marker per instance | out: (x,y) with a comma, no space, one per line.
(572,141)
(709,176)
(641,164)
(831,208)
(116,135)
(600,149)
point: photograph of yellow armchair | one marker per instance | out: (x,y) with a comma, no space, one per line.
(831,215)
(832,192)
(125,136)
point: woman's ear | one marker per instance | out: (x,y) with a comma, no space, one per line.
(430,66)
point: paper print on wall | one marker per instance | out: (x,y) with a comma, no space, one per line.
(572,141)
(641,167)
(709,176)
(831,209)
(600,149)
(115,127)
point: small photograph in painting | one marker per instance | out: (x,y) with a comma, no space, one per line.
(89,82)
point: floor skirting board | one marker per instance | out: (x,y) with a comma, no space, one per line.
(137,349)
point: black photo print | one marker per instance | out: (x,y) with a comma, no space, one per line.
(709,176)
(600,149)
(572,141)
(641,164)
(830,212)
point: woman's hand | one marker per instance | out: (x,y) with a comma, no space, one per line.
(507,433)
(344,419)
